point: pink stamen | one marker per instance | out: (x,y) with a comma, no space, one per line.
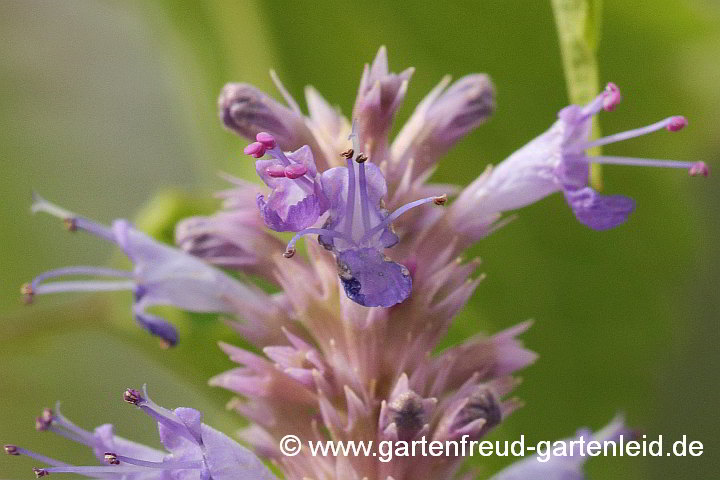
(699,168)
(266,139)
(672,124)
(677,123)
(276,171)
(256,149)
(611,97)
(296,170)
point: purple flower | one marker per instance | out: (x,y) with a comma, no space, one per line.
(557,161)
(297,199)
(547,467)
(162,275)
(195,451)
(357,228)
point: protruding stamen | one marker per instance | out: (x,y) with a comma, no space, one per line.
(133,396)
(40,472)
(276,171)
(362,158)
(36,287)
(11,449)
(15,450)
(255,149)
(296,170)
(672,124)
(441,200)
(289,252)
(693,168)
(676,123)
(348,154)
(111,458)
(699,168)
(397,213)
(611,97)
(267,140)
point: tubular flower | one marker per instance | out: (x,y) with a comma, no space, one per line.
(557,161)
(162,275)
(195,451)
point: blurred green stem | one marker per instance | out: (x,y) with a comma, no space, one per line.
(578,27)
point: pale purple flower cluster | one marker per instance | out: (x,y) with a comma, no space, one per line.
(347,349)
(195,451)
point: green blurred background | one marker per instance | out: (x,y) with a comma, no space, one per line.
(107,103)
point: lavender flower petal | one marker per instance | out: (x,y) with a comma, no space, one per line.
(371,279)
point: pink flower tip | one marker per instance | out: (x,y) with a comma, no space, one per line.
(677,123)
(296,170)
(266,139)
(256,149)
(611,97)
(699,168)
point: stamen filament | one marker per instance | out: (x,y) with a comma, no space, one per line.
(641,162)
(619,137)
(40,458)
(161,465)
(63,421)
(82,286)
(108,469)
(394,215)
(350,205)
(74,221)
(365,208)
(317,231)
(70,436)
(79,270)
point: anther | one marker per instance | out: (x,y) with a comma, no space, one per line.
(699,168)
(348,153)
(362,158)
(296,170)
(266,139)
(27,292)
(677,123)
(132,396)
(11,450)
(276,171)
(42,424)
(289,253)
(441,200)
(70,224)
(255,149)
(611,97)
(40,472)
(111,458)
